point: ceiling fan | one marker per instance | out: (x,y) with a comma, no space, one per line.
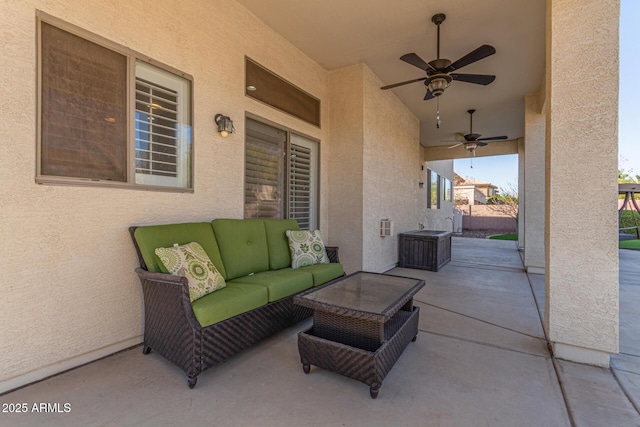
(473,140)
(440,71)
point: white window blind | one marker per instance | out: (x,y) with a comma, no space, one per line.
(161,151)
(302,182)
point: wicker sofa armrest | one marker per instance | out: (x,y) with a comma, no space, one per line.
(167,295)
(332,253)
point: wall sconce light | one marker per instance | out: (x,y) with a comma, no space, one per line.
(225,125)
(421,184)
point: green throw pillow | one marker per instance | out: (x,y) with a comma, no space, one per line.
(306,248)
(192,262)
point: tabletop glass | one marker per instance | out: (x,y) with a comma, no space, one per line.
(367,292)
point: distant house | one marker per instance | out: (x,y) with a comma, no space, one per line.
(469,191)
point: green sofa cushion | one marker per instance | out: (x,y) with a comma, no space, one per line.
(163,236)
(243,245)
(323,273)
(279,255)
(280,283)
(234,299)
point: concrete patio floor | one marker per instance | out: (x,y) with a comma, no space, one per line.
(481,359)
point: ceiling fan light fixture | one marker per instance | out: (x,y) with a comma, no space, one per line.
(471,148)
(438,84)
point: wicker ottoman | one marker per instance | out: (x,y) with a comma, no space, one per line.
(361,325)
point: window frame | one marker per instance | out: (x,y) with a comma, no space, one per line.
(433,200)
(447,190)
(131,57)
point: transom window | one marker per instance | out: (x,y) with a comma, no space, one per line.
(108,117)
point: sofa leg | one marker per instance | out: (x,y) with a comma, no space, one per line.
(146,349)
(192,381)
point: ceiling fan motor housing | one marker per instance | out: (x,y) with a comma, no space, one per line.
(438,83)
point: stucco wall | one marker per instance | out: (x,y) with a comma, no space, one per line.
(391,172)
(581,250)
(374,169)
(346,164)
(534,162)
(69,292)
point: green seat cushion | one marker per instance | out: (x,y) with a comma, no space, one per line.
(151,237)
(323,273)
(280,283)
(234,299)
(279,255)
(243,245)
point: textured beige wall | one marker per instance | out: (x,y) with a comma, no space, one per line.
(581,147)
(374,168)
(534,203)
(69,292)
(391,172)
(346,164)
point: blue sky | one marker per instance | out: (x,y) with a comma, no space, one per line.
(503,170)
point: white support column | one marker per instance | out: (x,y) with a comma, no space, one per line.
(534,134)
(581,187)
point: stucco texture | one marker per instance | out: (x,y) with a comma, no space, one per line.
(534,162)
(374,169)
(581,152)
(391,172)
(346,164)
(68,284)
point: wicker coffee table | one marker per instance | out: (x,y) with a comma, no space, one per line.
(361,325)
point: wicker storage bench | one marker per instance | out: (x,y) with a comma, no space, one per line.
(253,257)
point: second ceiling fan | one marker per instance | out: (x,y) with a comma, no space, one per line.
(440,71)
(473,140)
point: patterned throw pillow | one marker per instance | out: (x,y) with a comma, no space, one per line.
(192,262)
(306,248)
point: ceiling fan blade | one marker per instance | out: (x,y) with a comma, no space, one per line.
(479,79)
(416,61)
(493,138)
(481,144)
(403,83)
(456,145)
(471,57)
(428,95)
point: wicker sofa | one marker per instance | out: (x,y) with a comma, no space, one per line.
(253,257)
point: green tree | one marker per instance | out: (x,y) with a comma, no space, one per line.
(625,177)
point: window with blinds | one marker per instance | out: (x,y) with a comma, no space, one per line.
(156,140)
(280,175)
(162,153)
(264,171)
(88,133)
(82,108)
(302,182)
